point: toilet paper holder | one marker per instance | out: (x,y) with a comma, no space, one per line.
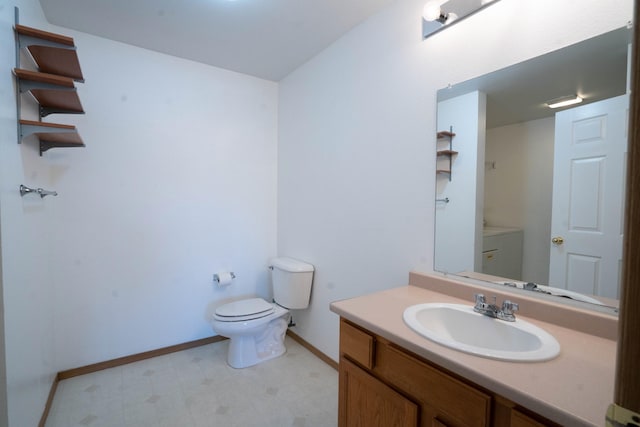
(216,277)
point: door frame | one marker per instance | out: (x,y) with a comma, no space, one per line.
(627,384)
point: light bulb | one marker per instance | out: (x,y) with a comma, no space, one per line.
(450,18)
(431,10)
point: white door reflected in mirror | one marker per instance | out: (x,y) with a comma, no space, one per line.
(588,195)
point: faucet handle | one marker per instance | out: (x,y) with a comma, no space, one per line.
(480,299)
(509,307)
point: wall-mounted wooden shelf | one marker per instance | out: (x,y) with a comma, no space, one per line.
(52,53)
(446,153)
(55,94)
(445,134)
(51,135)
(52,86)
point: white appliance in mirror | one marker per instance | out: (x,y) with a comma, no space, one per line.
(534,195)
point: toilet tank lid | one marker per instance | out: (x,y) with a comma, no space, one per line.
(291,265)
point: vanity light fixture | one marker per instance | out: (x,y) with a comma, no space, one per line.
(564,101)
(435,19)
(432,12)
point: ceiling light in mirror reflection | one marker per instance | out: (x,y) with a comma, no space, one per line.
(564,101)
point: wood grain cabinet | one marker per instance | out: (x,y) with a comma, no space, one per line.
(371,403)
(383,385)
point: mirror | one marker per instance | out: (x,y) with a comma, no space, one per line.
(441,14)
(512,207)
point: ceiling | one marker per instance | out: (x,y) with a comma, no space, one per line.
(262,38)
(595,69)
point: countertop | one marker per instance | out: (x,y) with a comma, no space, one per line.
(495,231)
(573,389)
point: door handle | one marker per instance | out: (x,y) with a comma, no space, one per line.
(557,240)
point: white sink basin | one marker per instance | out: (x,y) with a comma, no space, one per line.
(457,326)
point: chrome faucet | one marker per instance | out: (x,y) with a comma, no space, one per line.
(506,312)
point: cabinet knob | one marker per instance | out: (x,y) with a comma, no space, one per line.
(557,240)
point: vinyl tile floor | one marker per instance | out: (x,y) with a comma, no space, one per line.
(196,388)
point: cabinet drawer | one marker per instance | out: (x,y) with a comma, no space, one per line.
(356,344)
(436,389)
(518,419)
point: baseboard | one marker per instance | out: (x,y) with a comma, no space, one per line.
(47,406)
(320,355)
(95,367)
(70,373)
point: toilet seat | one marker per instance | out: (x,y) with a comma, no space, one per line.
(243,310)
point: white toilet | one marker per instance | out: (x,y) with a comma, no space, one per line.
(255,327)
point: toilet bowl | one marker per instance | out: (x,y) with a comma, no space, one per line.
(256,330)
(255,327)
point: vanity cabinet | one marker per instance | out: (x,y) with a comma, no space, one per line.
(382,384)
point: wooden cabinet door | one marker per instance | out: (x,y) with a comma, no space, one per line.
(367,402)
(442,397)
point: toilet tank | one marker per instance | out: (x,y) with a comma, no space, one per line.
(291,282)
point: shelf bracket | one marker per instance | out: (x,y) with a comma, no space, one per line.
(16,13)
(45,111)
(450,148)
(27,85)
(45,145)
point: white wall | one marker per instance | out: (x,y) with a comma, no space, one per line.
(177,182)
(518,192)
(356,138)
(458,235)
(27,286)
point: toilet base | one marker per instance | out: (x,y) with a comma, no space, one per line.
(249,350)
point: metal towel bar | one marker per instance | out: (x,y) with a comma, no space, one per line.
(24,190)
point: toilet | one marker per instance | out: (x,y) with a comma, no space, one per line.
(255,327)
